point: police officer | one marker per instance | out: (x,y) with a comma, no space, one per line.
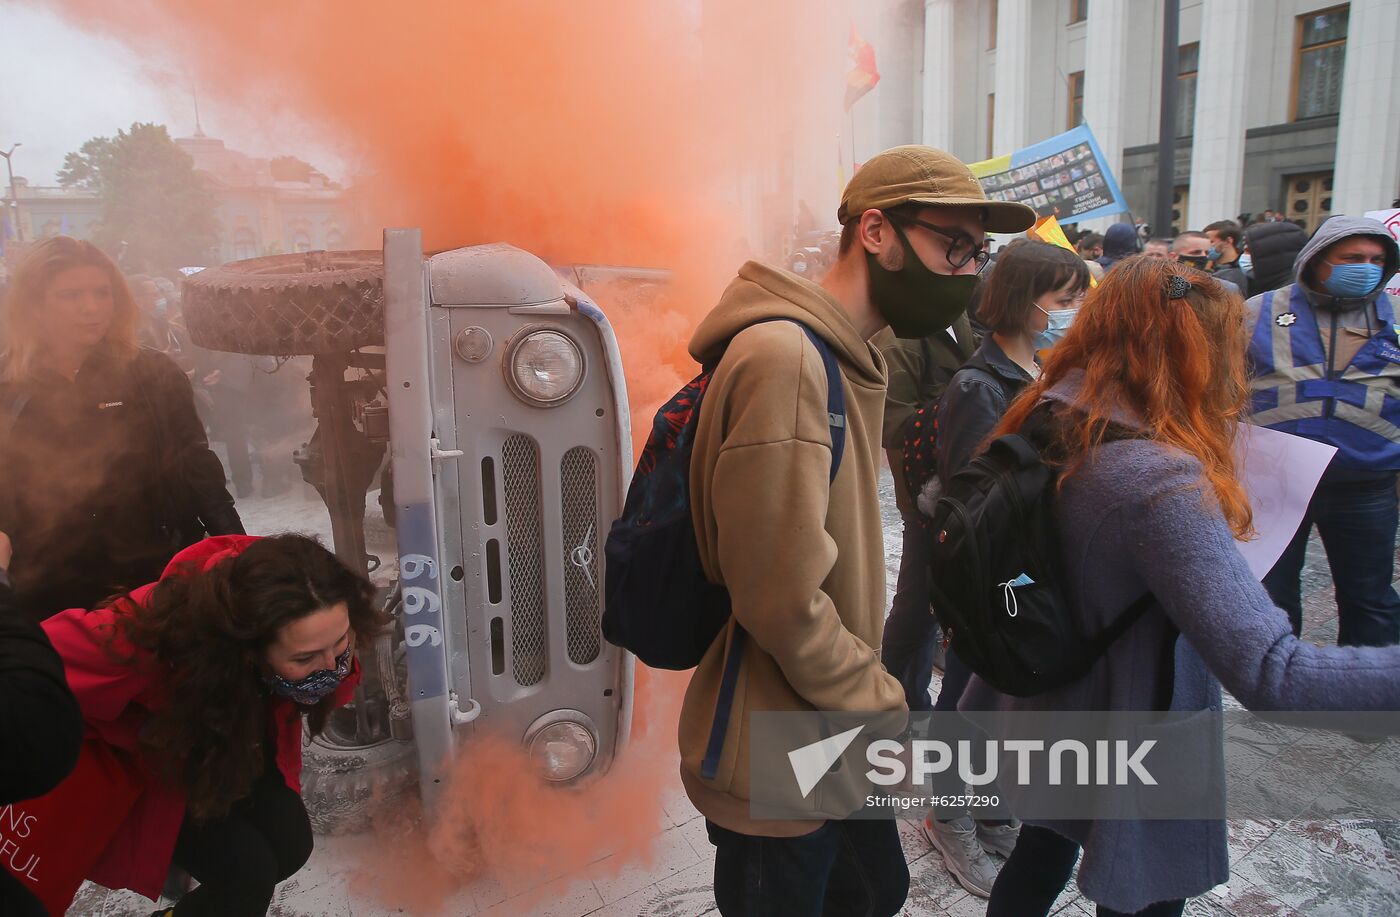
(1325,364)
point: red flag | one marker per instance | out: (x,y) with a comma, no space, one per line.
(862,76)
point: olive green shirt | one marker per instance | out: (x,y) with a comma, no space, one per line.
(919,370)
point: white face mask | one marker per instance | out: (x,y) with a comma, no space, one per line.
(1246,262)
(1058,322)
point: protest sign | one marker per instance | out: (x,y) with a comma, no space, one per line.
(1065,177)
(1391,219)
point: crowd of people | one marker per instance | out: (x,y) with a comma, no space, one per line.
(1141,357)
(166,659)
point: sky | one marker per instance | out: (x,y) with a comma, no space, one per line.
(60,86)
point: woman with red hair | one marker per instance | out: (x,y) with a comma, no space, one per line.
(1142,400)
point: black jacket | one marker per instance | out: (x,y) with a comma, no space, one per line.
(973,405)
(1273,247)
(1233,273)
(40,722)
(105,478)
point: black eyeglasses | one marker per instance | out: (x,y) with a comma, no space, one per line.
(962,248)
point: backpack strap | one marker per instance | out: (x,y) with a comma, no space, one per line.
(1130,615)
(729,680)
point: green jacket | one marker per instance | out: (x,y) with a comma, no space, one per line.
(919,370)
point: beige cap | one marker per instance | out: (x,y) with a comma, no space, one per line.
(924,175)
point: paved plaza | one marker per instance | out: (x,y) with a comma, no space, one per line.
(1278,869)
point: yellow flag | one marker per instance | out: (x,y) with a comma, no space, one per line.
(1048,229)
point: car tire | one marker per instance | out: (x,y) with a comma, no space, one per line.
(288,305)
(344,787)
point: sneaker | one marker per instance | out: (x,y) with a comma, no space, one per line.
(957,841)
(998,837)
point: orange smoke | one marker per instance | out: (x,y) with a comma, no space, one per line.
(500,822)
(678,134)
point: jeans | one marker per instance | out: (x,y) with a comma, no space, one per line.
(911,630)
(949,782)
(1039,869)
(1356,520)
(843,868)
(239,858)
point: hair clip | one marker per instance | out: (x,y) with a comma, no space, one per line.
(1178,287)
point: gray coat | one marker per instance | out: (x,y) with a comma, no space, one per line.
(1133,519)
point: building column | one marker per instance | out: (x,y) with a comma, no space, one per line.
(940,73)
(1011,126)
(1217,147)
(1368,139)
(1106,74)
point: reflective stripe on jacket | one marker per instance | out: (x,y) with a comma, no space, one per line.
(1297,390)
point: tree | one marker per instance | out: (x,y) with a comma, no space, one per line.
(157,211)
(290,168)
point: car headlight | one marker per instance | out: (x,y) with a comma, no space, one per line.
(544,367)
(563,750)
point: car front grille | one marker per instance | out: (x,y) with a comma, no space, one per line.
(578,473)
(520,461)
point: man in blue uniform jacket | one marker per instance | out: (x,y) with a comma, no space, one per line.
(1325,364)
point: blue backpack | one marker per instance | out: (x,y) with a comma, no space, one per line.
(658,603)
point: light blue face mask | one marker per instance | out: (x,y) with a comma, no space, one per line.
(1055,328)
(1350,281)
(1213,253)
(1246,262)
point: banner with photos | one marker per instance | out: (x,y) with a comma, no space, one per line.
(1065,177)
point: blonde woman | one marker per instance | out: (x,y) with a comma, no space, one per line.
(107,471)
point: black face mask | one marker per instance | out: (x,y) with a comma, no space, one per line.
(914,300)
(1199,262)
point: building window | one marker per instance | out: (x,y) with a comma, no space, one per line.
(1078,10)
(992,31)
(301,240)
(335,240)
(1317,63)
(1308,199)
(1076,98)
(1189,57)
(991,121)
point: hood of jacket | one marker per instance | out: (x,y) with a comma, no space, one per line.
(1273,247)
(1331,232)
(761,293)
(202,555)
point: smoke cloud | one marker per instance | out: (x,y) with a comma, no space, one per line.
(678,134)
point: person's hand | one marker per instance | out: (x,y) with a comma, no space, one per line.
(6,551)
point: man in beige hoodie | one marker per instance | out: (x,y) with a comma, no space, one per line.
(803,556)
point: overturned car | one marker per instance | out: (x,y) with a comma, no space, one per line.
(495,387)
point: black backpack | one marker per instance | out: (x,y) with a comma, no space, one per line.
(995,573)
(919,449)
(658,603)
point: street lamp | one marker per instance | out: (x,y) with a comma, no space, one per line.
(14,196)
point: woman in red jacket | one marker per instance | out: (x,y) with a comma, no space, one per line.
(201,681)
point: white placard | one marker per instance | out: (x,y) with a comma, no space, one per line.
(1280,472)
(1391,219)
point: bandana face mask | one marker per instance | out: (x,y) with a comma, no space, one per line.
(915,301)
(317,686)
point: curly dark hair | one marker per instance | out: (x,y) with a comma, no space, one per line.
(208,633)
